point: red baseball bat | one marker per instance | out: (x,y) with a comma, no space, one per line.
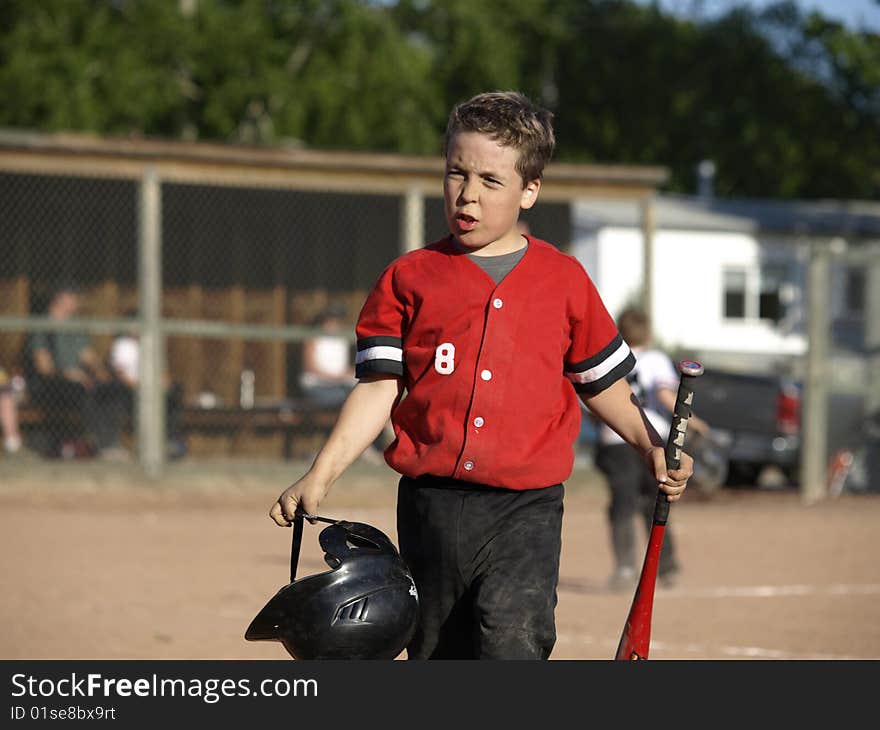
(635,641)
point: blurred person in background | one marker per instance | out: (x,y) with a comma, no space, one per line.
(12,442)
(124,364)
(327,369)
(327,375)
(654,381)
(64,371)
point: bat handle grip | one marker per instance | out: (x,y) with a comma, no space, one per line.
(688,369)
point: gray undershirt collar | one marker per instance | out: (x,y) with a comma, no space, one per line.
(496,267)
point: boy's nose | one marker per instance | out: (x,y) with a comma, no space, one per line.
(468,193)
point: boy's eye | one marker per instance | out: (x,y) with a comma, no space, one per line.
(454,173)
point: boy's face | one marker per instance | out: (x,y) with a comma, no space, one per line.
(483,194)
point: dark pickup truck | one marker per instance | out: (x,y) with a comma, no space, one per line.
(756,420)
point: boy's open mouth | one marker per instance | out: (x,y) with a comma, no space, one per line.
(466,222)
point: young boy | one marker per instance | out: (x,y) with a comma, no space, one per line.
(492,335)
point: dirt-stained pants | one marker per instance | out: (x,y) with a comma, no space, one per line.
(486,564)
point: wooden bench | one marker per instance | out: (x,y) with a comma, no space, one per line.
(29,416)
(293,419)
(32,419)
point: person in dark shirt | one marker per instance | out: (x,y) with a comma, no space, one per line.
(65,372)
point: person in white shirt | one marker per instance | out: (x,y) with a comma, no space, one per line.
(328,373)
(654,381)
(124,361)
(328,369)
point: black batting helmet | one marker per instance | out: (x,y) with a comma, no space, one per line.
(364,607)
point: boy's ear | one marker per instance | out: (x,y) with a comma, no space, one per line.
(530,194)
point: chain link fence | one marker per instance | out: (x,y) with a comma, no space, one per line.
(164,304)
(156,316)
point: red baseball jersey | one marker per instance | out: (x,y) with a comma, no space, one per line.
(491,371)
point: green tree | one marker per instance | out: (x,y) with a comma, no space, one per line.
(475,47)
(786,104)
(91,65)
(641,86)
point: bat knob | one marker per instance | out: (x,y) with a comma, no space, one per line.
(691,368)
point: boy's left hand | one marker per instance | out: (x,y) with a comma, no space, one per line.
(672,482)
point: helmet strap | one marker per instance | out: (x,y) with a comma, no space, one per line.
(295,544)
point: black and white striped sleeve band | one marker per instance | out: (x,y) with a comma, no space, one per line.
(379,355)
(593,375)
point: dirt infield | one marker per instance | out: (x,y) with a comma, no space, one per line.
(98,564)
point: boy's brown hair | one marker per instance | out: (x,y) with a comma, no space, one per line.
(634,326)
(512,120)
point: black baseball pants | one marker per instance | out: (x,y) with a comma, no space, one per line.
(485,561)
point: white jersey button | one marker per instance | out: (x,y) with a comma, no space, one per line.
(497,303)
(486,375)
(478,421)
(468,465)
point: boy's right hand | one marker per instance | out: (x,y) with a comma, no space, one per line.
(363,415)
(306,492)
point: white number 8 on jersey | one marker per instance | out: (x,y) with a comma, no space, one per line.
(444,358)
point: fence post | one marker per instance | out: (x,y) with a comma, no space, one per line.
(150,396)
(412,224)
(648,225)
(814,431)
(872,330)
